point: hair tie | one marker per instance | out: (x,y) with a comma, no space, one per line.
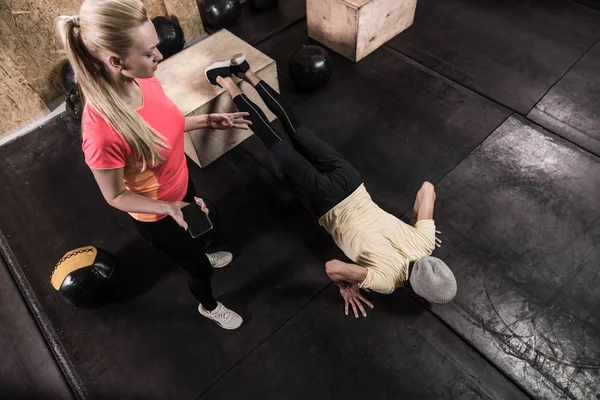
(75,19)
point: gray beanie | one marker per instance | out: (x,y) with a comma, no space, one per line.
(432,280)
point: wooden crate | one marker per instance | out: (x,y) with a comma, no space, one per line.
(355,28)
(182,77)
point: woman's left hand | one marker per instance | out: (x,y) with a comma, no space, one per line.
(202,204)
(229,120)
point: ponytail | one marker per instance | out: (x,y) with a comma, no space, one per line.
(107,25)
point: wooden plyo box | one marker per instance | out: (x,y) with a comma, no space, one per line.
(355,28)
(182,77)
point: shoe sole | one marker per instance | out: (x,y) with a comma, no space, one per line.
(217,322)
(218,64)
(224,265)
(238,59)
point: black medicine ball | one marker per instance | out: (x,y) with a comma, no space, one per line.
(67,76)
(170,36)
(85,276)
(310,68)
(220,14)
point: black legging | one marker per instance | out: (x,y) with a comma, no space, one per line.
(167,236)
(316,173)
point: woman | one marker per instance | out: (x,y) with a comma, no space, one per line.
(388,252)
(133,136)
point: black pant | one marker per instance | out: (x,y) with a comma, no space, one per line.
(167,236)
(316,173)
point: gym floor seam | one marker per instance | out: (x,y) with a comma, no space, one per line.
(263,341)
(513,111)
(42,322)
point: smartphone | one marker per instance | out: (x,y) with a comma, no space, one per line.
(198,222)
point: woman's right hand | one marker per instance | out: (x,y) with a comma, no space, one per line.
(174,211)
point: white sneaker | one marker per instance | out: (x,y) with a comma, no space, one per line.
(219,69)
(223,316)
(220,259)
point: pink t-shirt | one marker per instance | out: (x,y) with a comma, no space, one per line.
(104,148)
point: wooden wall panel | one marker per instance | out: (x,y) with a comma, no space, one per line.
(187,14)
(19,104)
(155,8)
(31,47)
(31,41)
(29,37)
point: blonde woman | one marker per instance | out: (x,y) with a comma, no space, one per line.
(133,136)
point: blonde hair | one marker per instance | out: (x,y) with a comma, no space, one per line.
(108,25)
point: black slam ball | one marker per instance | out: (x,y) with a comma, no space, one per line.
(67,76)
(86,276)
(170,36)
(220,14)
(262,5)
(310,68)
(74,104)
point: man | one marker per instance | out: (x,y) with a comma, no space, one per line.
(386,251)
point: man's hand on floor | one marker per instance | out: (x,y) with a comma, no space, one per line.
(353,297)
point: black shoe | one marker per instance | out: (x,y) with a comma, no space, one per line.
(220,68)
(239,65)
